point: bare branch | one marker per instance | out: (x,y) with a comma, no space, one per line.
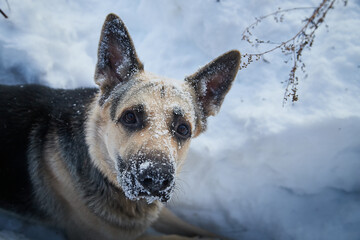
(2,13)
(294,46)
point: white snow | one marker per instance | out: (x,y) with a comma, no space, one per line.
(261,171)
(143,166)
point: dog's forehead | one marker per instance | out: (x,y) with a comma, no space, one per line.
(162,94)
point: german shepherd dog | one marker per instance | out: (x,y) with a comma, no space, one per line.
(100,163)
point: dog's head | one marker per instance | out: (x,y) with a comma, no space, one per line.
(140,128)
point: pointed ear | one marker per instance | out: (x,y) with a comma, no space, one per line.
(117,59)
(213,81)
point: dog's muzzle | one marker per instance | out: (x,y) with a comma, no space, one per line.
(147,176)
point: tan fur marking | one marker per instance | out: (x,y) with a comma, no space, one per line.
(98,118)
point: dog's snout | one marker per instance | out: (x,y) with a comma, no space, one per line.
(157,177)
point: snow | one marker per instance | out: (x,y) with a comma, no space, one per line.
(261,171)
(144,166)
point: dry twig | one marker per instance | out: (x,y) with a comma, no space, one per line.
(294,46)
(2,13)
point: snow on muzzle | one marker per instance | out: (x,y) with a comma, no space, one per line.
(147,176)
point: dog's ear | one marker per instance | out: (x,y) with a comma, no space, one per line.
(117,59)
(213,81)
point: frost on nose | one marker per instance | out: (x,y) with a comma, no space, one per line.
(148,176)
(155,177)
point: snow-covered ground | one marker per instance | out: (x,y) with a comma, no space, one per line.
(261,171)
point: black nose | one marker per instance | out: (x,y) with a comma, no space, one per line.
(156,177)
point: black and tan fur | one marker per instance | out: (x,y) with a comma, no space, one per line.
(97,163)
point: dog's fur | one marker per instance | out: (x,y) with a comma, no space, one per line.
(98,163)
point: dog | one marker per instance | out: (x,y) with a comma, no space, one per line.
(98,163)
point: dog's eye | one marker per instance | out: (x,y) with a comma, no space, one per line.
(129,117)
(183,130)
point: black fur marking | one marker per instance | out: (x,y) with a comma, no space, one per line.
(114,106)
(121,164)
(23,108)
(162,92)
(177,111)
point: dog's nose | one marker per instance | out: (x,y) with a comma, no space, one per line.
(156,177)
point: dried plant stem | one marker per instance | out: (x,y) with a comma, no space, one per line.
(2,13)
(258,20)
(294,46)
